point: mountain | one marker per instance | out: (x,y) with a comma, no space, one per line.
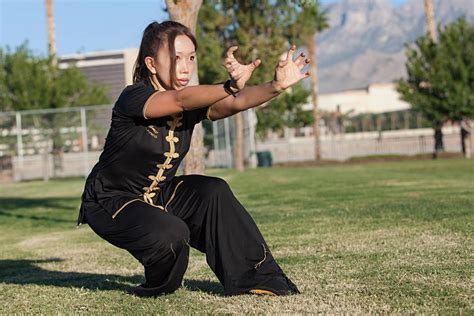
(365,41)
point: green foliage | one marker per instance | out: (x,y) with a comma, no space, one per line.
(440,81)
(29,82)
(261,29)
(211,25)
(247,24)
(304,20)
(284,111)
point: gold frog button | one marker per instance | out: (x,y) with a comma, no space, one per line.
(152,130)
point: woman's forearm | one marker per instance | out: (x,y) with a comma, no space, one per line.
(252,96)
(200,96)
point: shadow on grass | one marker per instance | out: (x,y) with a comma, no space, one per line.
(209,287)
(20,208)
(36,218)
(27,272)
(56,203)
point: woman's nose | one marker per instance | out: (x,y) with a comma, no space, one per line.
(184,68)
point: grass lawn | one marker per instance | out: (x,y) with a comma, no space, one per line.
(375,237)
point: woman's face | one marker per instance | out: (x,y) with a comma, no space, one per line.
(185,62)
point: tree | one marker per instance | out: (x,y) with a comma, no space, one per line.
(305,23)
(29,82)
(430,22)
(250,25)
(431,32)
(186,12)
(440,82)
(51,33)
(456,72)
(282,112)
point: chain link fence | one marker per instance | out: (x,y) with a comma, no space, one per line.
(43,144)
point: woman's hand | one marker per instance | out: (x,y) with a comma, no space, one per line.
(288,71)
(238,72)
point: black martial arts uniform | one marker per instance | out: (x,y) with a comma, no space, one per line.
(133,199)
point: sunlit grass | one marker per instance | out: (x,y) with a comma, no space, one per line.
(376,237)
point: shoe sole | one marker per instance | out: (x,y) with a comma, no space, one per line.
(261,292)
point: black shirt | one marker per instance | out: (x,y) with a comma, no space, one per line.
(140,155)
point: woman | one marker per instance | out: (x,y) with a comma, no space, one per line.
(132,197)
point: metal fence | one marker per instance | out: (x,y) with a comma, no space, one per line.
(51,143)
(221,137)
(42,144)
(343,146)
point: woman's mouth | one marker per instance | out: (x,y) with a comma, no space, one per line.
(183,81)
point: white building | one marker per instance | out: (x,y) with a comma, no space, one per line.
(113,68)
(376,98)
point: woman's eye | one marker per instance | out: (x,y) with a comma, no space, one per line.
(177,57)
(192,57)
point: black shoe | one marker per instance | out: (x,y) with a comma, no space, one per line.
(291,284)
(279,285)
(144,291)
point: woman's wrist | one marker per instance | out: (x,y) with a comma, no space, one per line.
(276,86)
(231,87)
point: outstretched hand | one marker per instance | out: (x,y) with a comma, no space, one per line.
(288,71)
(238,72)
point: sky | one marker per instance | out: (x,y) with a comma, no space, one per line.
(82,25)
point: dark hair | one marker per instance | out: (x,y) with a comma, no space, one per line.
(155,36)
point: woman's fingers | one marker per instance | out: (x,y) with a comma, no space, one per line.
(237,72)
(303,63)
(230,61)
(304,75)
(289,55)
(233,66)
(241,68)
(237,76)
(230,64)
(300,59)
(230,51)
(255,63)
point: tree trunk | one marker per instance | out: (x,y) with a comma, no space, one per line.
(239,156)
(465,141)
(314,96)
(186,12)
(438,139)
(470,140)
(239,142)
(430,23)
(51,36)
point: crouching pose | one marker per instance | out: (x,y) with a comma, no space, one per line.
(132,197)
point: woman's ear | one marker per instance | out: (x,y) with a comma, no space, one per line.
(150,64)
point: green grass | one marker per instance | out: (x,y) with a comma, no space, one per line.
(377,237)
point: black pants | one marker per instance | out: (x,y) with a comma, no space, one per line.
(201,212)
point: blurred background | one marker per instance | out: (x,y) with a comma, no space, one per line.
(390,79)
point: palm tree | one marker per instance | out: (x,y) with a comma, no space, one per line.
(186,12)
(310,22)
(50,26)
(430,23)
(314,96)
(431,30)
